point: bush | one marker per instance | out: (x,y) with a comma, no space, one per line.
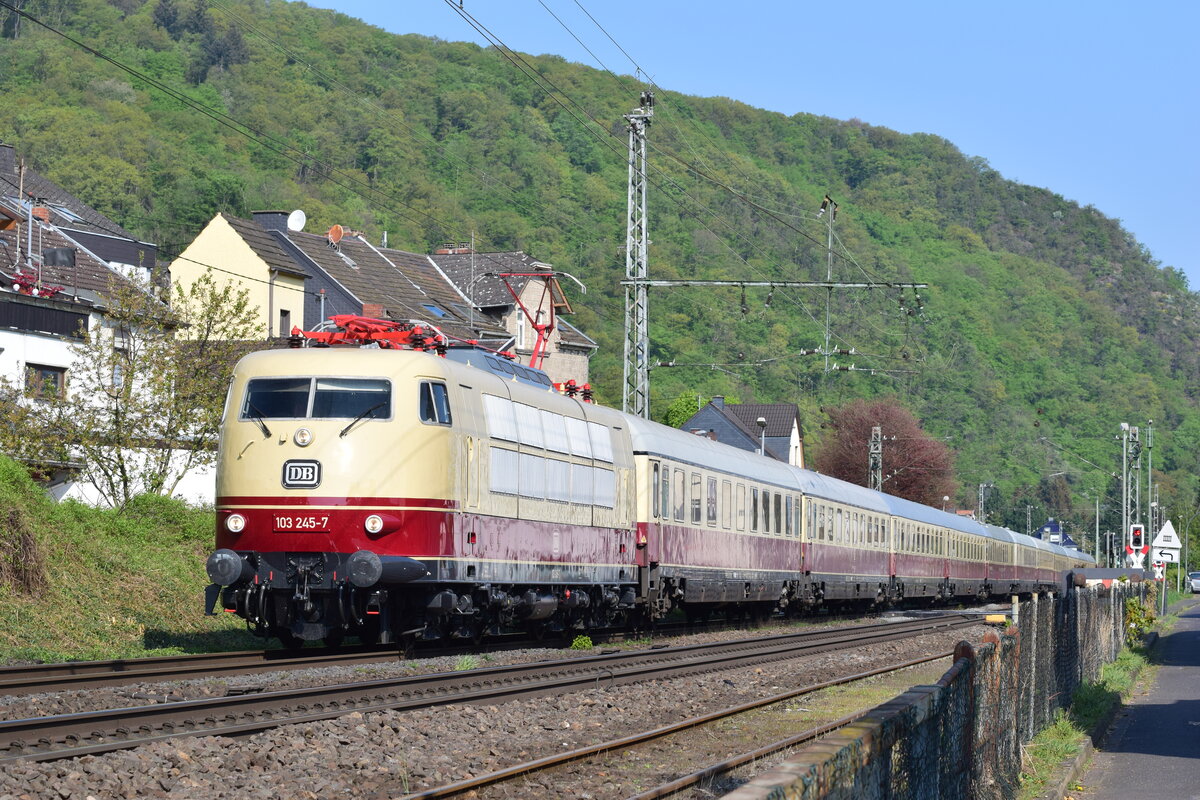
(582,643)
(22,557)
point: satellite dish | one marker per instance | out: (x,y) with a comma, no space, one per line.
(296,221)
(335,234)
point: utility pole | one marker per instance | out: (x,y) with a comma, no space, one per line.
(636,397)
(828,205)
(1124,481)
(875,460)
(982,490)
(1150,529)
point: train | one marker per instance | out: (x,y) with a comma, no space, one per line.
(387,491)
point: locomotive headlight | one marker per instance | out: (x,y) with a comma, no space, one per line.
(234,523)
(373,523)
(303,437)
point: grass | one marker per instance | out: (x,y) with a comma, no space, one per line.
(1091,706)
(112,584)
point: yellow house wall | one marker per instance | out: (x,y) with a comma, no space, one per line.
(219,246)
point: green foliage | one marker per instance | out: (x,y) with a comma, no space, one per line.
(146,393)
(113,584)
(1139,617)
(582,643)
(465,663)
(1043,318)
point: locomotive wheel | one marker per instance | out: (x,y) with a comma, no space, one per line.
(334,638)
(289,640)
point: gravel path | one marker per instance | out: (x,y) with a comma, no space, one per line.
(387,754)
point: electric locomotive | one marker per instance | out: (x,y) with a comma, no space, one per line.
(381,492)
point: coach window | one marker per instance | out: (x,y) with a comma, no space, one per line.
(712,501)
(678,488)
(656,491)
(726,505)
(788,531)
(695,498)
(666,493)
(766,511)
(779,513)
(435,403)
(741,506)
(753,508)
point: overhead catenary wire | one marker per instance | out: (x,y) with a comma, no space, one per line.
(331,173)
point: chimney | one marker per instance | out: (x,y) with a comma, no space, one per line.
(718,401)
(271,220)
(373,310)
(42,213)
(452,249)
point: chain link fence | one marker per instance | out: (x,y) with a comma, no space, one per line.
(962,737)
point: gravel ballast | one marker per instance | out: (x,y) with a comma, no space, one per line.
(388,754)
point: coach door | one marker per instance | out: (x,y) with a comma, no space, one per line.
(660,504)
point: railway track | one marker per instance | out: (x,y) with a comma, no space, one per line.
(69,735)
(76,675)
(706,772)
(70,675)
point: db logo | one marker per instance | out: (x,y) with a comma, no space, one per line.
(301,474)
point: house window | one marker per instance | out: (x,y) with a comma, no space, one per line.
(285,322)
(45,382)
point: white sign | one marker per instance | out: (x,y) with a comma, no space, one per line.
(1167,555)
(1167,539)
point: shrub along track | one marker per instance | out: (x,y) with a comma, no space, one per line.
(69,735)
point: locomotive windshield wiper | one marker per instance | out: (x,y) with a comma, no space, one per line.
(257,416)
(359,418)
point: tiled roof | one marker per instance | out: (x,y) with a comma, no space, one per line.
(779,416)
(265,246)
(88,281)
(403,283)
(66,210)
(465,269)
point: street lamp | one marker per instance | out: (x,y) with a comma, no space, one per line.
(762,435)
(945,499)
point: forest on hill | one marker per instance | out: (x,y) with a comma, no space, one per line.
(1045,324)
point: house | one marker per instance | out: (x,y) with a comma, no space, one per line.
(60,262)
(509,287)
(749,426)
(300,279)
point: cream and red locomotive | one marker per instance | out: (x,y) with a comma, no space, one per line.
(450,492)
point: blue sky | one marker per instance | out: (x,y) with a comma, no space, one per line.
(1096,101)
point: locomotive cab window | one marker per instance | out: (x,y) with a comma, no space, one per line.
(435,403)
(317,398)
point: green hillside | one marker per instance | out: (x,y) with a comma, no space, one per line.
(1043,318)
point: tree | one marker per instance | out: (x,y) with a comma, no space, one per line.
(146,391)
(166,16)
(915,465)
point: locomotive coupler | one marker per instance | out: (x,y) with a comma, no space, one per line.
(301,597)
